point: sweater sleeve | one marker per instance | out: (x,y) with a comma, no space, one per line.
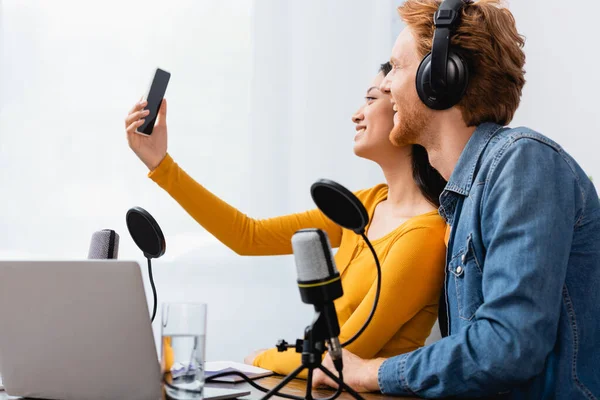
(412,277)
(242,234)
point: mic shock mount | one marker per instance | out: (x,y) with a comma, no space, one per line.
(312,348)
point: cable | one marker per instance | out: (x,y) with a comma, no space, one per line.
(153,289)
(339,388)
(222,374)
(362,329)
(250,382)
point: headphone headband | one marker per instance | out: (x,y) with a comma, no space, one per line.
(445,19)
(448,14)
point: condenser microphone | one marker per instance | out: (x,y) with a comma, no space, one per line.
(319,282)
(104,245)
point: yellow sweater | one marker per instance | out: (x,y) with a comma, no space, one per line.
(411,257)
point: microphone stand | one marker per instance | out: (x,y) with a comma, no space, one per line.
(312,349)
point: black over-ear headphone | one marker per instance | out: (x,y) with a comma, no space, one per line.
(443,76)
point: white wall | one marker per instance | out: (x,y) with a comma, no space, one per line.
(560,98)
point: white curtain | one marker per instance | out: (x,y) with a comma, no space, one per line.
(71,70)
(313,62)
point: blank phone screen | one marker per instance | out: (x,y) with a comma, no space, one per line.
(155,96)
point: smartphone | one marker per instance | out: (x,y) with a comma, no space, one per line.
(154,97)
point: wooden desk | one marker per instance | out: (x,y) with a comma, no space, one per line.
(296,387)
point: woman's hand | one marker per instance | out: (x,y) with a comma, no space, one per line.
(150,149)
(250,357)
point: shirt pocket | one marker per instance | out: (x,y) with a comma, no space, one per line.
(467,272)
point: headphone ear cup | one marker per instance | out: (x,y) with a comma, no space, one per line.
(457,82)
(423,82)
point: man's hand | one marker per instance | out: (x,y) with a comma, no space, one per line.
(359,374)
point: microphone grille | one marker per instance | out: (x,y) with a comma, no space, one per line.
(104,245)
(312,252)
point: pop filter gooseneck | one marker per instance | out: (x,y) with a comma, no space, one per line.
(148,236)
(345,209)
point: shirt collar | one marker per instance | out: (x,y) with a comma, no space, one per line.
(462,177)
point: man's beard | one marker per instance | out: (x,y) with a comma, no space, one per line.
(414,121)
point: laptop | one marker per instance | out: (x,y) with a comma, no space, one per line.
(79,329)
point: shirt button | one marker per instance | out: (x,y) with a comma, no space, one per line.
(463,258)
(459,270)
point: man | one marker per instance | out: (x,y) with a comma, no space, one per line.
(522,291)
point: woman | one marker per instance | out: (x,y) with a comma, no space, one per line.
(405,230)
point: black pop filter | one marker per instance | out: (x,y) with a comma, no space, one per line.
(145,232)
(149,238)
(340,205)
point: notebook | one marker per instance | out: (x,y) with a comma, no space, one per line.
(215,367)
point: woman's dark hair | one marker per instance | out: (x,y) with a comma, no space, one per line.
(429,181)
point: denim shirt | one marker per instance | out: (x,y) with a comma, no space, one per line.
(522,277)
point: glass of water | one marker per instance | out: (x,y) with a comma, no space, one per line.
(183,349)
